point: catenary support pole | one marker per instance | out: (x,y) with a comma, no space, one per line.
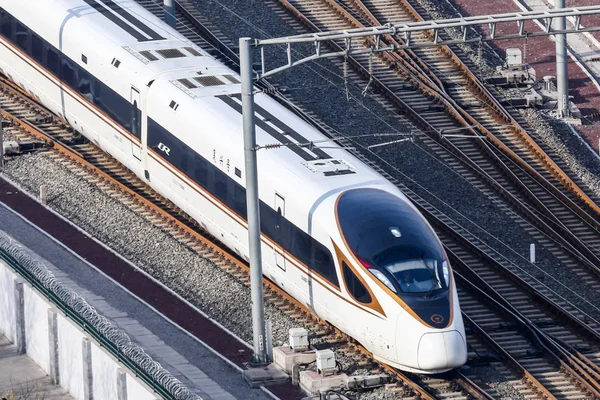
(252,201)
(170,12)
(562,77)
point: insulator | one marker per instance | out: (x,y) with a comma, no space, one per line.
(346,77)
(272,146)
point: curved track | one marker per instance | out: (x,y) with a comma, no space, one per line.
(441,94)
(28,120)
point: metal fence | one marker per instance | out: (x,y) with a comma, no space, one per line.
(100,328)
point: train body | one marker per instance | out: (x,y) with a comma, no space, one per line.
(336,235)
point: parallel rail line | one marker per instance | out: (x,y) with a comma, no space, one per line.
(93,165)
(511,169)
(28,119)
(481,274)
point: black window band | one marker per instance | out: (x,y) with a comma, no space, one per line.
(136,22)
(286,128)
(291,238)
(69,72)
(116,20)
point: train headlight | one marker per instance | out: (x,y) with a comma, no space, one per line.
(380,275)
(446,272)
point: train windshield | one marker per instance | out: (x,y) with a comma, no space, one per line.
(394,242)
(411,271)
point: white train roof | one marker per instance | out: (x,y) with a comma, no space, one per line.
(152,51)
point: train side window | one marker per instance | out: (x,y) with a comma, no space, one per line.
(355,286)
(323,264)
(7,22)
(37,48)
(268,219)
(97,92)
(23,36)
(283,227)
(68,74)
(301,246)
(85,85)
(200,171)
(239,200)
(52,60)
(220,186)
(136,124)
(112,103)
(183,163)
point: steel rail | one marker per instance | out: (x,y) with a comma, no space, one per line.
(575,246)
(455,108)
(489,97)
(534,334)
(471,387)
(511,362)
(178,226)
(553,219)
(564,316)
(461,115)
(582,360)
(560,175)
(479,392)
(576,366)
(76,156)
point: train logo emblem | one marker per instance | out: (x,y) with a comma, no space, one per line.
(437,319)
(162,147)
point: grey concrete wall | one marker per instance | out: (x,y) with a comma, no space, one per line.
(60,348)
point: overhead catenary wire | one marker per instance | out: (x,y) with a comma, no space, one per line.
(348,97)
(361,104)
(320,66)
(364,92)
(315,143)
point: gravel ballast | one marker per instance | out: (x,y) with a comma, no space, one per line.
(319,88)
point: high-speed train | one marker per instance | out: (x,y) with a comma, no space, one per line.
(336,235)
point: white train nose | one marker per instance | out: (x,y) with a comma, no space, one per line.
(441,351)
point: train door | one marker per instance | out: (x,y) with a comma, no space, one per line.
(280,209)
(136,123)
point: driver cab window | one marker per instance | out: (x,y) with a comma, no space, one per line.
(355,286)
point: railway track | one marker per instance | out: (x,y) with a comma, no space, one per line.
(498,306)
(95,166)
(27,120)
(507,315)
(443,95)
(107,174)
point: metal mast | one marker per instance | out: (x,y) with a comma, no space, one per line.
(252,202)
(562,77)
(170,13)
(404,30)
